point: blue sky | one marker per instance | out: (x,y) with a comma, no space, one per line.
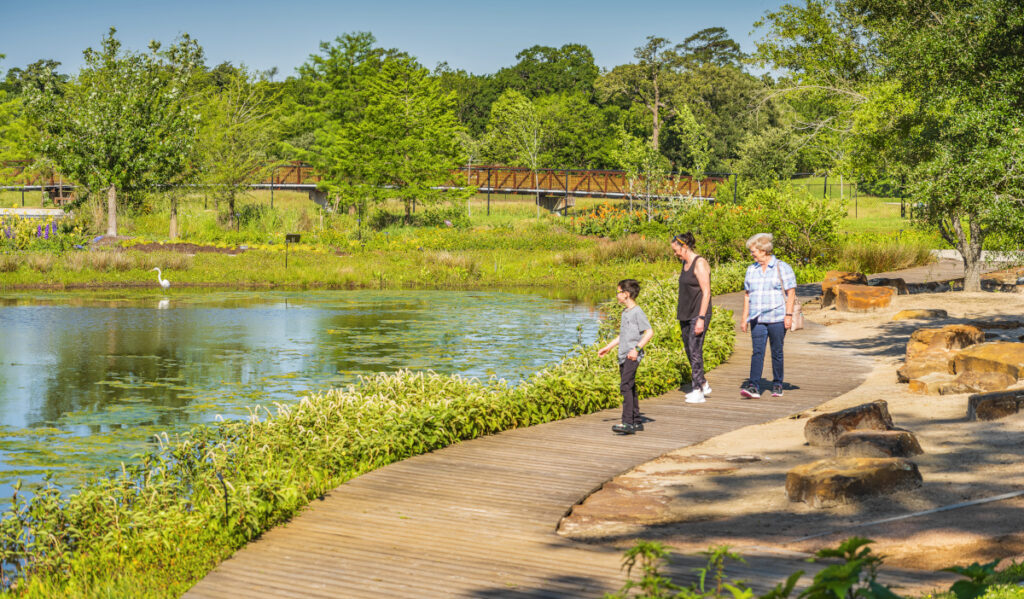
(478,36)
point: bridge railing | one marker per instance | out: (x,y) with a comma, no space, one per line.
(599,183)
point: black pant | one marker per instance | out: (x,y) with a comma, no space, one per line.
(694,345)
(627,385)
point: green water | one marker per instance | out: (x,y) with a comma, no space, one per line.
(87,380)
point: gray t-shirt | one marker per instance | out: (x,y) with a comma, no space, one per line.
(634,323)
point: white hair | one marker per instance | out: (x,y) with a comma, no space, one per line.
(761,241)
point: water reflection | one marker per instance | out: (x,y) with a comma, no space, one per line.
(86,379)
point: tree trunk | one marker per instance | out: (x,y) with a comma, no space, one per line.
(173,233)
(112,211)
(970,249)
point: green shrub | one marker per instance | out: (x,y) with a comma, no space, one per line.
(805,225)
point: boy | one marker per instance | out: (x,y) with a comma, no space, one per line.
(634,333)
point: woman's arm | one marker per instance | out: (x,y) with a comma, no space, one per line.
(746,311)
(703,272)
(790,302)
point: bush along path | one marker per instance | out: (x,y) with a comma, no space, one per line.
(161,523)
(479,518)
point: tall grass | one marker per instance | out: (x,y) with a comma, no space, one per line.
(882,254)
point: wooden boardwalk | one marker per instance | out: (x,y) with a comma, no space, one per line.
(478,519)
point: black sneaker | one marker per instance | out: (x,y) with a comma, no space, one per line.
(626,429)
(750,391)
(777,390)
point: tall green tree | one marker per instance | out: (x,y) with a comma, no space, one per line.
(712,46)
(577,134)
(650,82)
(646,170)
(126,123)
(404,144)
(932,91)
(545,70)
(236,138)
(515,134)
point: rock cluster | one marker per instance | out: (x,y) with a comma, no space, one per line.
(870,457)
(956,359)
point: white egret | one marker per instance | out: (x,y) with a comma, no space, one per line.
(160,277)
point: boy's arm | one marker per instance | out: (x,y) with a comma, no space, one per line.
(611,345)
(634,354)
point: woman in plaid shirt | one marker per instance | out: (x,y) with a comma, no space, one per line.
(768,302)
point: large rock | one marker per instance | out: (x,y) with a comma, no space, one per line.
(937,384)
(949,337)
(846,480)
(920,314)
(924,364)
(983,382)
(1005,357)
(824,429)
(838,277)
(861,298)
(878,444)
(897,284)
(992,406)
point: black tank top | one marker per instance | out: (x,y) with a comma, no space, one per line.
(690,294)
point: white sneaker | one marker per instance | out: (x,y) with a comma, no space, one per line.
(695,396)
(706,389)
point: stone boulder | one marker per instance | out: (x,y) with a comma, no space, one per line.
(915,367)
(981,382)
(846,480)
(998,324)
(937,340)
(899,285)
(838,277)
(920,314)
(861,298)
(1004,357)
(992,406)
(936,384)
(824,429)
(878,444)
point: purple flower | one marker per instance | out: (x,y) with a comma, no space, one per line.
(39,230)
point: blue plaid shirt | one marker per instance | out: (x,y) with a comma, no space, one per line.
(767,298)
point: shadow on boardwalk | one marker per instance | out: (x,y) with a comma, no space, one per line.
(478,519)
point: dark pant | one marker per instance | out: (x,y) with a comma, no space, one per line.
(694,345)
(627,385)
(760,333)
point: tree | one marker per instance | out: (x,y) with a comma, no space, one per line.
(474,95)
(127,122)
(712,46)
(544,70)
(932,91)
(577,134)
(405,143)
(695,144)
(515,134)
(646,169)
(235,139)
(649,82)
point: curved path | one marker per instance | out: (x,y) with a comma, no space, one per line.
(478,519)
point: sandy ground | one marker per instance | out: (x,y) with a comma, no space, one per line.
(731,489)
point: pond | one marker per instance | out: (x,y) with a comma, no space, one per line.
(87,380)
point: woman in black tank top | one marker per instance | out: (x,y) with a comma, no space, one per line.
(693,311)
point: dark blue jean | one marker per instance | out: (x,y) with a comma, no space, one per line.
(760,334)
